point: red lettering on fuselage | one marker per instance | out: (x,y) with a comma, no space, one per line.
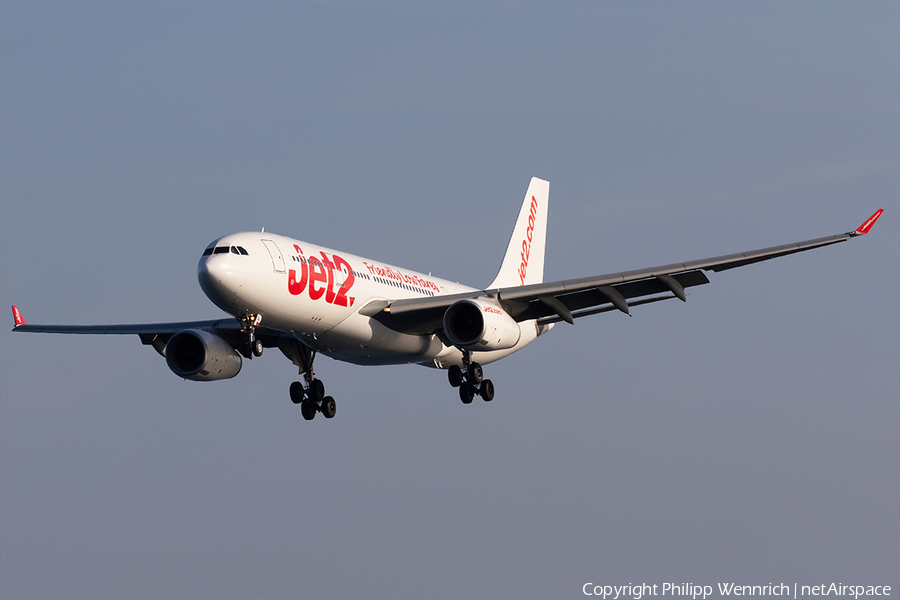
(296,286)
(329,290)
(316,274)
(315,271)
(342,299)
(389,273)
(526,243)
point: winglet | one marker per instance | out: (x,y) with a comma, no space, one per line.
(865,227)
(20,320)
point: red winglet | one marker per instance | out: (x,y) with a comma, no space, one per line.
(865,227)
(20,320)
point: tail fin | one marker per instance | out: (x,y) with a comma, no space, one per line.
(523,263)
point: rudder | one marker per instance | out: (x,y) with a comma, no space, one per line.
(523,263)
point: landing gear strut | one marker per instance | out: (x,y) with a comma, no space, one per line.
(312,398)
(253,346)
(471,381)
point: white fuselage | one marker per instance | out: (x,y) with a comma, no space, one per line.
(317,293)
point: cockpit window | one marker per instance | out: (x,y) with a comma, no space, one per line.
(239,250)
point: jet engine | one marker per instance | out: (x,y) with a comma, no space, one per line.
(476,324)
(201,356)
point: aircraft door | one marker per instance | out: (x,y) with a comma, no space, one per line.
(275,253)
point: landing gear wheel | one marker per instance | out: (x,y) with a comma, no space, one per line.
(328,407)
(487,390)
(455,375)
(308,410)
(296,392)
(316,390)
(256,346)
(476,373)
(466,393)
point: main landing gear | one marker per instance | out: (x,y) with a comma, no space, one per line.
(312,398)
(470,381)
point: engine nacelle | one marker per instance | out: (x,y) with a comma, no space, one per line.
(201,356)
(480,325)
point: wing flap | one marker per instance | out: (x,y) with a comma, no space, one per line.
(603,309)
(595,296)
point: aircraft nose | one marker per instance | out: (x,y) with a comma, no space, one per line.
(225,272)
(212,273)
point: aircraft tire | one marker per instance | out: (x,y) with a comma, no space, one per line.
(329,407)
(296,392)
(466,394)
(455,375)
(487,390)
(316,391)
(308,410)
(257,348)
(476,373)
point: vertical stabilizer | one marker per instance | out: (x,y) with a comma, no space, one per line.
(523,263)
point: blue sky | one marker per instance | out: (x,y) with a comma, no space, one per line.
(750,434)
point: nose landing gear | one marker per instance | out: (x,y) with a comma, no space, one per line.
(470,382)
(253,346)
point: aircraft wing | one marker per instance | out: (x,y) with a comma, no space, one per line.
(136,329)
(157,334)
(570,299)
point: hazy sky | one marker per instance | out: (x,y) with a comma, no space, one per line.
(751,434)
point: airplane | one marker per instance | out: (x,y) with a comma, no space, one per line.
(306,299)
